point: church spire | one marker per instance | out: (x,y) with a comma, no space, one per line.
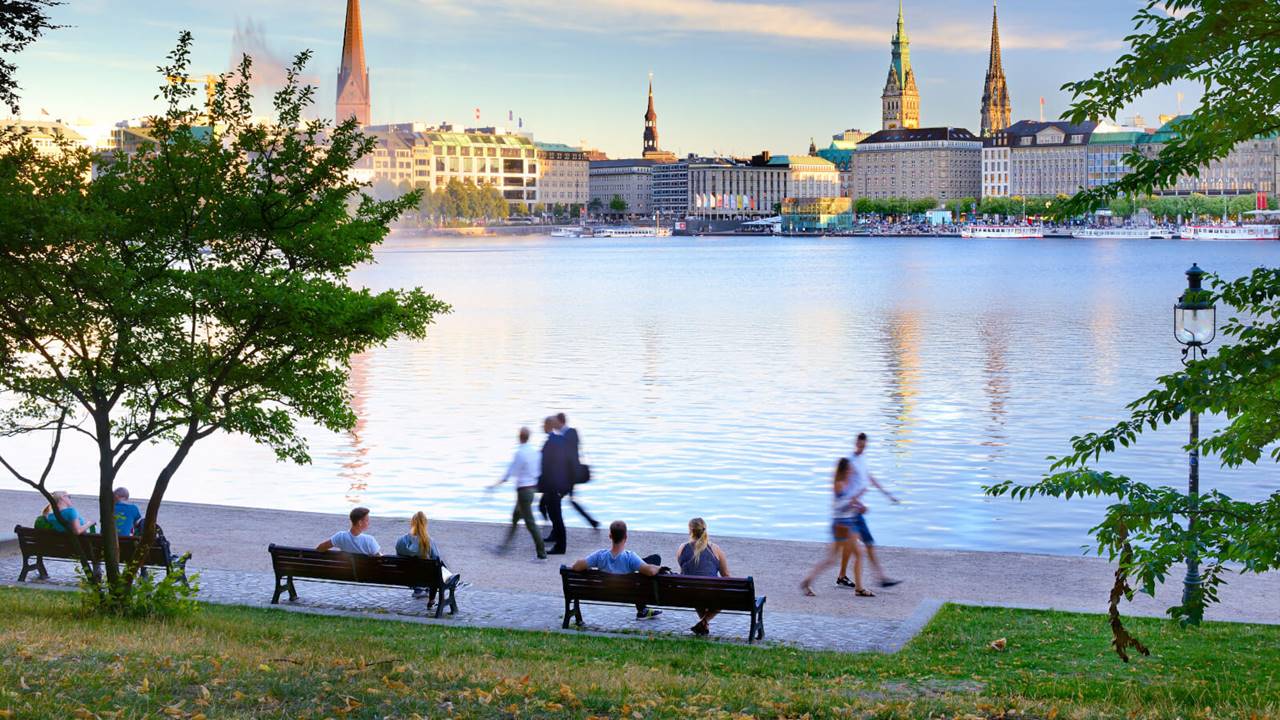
(900,101)
(650,123)
(996,110)
(353,76)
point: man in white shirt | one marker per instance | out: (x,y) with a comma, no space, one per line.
(524,468)
(355,541)
(860,481)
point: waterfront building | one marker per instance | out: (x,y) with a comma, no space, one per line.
(353,76)
(1107,153)
(429,157)
(728,188)
(995,165)
(810,176)
(900,101)
(840,153)
(1048,158)
(652,151)
(47,136)
(631,180)
(563,175)
(671,187)
(824,214)
(996,110)
(1250,167)
(944,163)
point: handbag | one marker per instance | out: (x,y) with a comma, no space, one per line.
(583,475)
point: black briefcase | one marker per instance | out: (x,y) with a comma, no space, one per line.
(584,475)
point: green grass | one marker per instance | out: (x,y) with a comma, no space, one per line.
(250,663)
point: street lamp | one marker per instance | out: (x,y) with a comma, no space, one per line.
(1194,326)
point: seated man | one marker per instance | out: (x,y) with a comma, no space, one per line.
(127,514)
(355,541)
(621,561)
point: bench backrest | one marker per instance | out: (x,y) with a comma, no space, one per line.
(345,567)
(51,543)
(597,586)
(717,593)
(686,591)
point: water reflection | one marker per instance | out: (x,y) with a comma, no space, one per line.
(353,460)
(993,339)
(901,338)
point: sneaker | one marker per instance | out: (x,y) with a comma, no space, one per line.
(700,629)
(648,614)
(844,581)
(886,582)
(419,593)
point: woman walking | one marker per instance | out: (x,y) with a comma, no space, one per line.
(702,557)
(844,513)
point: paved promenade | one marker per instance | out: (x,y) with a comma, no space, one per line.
(229,549)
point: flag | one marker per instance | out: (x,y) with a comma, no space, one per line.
(43,111)
(511,115)
(521,122)
(477,114)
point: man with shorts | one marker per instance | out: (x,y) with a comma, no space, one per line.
(861,480)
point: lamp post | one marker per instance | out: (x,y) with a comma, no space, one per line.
(1194,325)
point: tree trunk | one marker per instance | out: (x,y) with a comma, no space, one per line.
(107,502)
(162,485)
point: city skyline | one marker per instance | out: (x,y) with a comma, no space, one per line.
(791,70)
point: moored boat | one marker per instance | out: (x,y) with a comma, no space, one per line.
(1230,232)
(632,231)
(1120,233)
(1001,231)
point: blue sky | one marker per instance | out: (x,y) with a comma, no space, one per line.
(730,75)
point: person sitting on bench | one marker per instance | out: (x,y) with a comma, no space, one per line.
(418,543)
(621,561)
(355,541)
(702,557)
(71,519)
(127,515)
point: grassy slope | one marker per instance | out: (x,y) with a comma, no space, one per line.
(239,662)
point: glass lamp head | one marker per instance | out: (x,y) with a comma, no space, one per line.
(1194,316)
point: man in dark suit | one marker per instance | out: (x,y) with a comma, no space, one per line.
(556,480)
(580,470)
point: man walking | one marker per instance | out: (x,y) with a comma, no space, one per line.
(582,473)
(525,468)
(555,481)
(861,480)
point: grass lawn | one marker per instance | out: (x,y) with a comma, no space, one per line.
(252,663)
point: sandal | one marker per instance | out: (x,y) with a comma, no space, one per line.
(844,581)
(806,590)
(863,592)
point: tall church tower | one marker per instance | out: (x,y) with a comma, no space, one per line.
(353,76)
(650,123)
(996,111)
(900,102)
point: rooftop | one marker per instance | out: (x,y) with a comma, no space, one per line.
(919,135)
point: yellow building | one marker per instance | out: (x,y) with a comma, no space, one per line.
(429,157)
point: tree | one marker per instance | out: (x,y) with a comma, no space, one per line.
(595,205)
(197,286)
(618,205)
(22,22)
(1230,47)
(1226,46)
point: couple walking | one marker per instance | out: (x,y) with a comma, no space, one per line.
(553,472)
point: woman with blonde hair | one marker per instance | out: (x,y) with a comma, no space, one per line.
(418,543)
(71,518)
(702,557)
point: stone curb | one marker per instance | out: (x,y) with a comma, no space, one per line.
(912,626)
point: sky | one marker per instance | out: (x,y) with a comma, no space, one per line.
(730,76)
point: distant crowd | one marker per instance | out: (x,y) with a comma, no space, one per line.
(553,472)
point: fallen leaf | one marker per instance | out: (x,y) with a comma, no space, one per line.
(998,645)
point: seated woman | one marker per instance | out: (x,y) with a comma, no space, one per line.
(71,519)
(700,556)
(418,543)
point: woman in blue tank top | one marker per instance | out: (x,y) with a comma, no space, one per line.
(702,557)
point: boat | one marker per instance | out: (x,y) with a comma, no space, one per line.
(1001,231)
(1230,232)
(574,231)
(632,231)
(1120,233)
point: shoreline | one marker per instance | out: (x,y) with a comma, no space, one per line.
(235,539)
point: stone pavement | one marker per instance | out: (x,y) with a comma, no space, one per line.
(228,547)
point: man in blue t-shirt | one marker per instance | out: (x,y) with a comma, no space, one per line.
(127,514)
(357,540)
(618,560)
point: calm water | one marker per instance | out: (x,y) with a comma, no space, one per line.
(724,377)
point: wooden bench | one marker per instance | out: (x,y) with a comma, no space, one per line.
(685,592)
(340,567)
(36,545)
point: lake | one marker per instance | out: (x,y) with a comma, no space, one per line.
(723,377)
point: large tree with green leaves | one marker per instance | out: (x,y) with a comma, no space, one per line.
(1232,47)
(197,286)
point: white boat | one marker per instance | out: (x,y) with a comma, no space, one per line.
(574,231)
(1231,232)
(632,231)
(1120,233)
(1002,231)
